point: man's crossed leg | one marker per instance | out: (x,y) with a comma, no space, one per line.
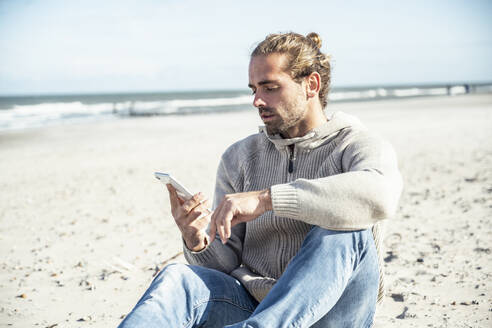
(331,282)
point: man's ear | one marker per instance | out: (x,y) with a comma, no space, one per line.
(313,84)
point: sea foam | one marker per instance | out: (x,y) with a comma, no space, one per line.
(28,112)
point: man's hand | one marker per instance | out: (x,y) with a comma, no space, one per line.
(192,217)
(237,208)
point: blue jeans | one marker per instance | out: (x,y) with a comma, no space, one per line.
(331,282)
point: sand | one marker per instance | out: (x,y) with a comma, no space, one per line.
(84,225)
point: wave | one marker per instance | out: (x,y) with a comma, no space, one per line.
(381,93)
(55,112)
(176,106)
(37,115)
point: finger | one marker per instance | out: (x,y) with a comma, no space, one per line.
(213,222)
(203,208)
(173,197)
(175,201)
(193,202)
(227,226)
(208,205)
(221,224)
(220,230)
(193,215)
(202,223)
(197,213)
(212,229)
(180,199)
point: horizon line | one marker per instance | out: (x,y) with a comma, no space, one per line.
(147,92)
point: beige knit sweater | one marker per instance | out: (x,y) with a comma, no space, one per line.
(339,176)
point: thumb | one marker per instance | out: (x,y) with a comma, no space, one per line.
(173,197)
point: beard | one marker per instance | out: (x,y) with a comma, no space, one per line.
(287,117)
(280,127)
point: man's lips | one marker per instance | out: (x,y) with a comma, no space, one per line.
(267,116)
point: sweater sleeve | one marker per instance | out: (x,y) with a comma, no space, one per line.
(218,256)
(367,191)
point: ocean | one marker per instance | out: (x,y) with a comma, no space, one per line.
(24,112)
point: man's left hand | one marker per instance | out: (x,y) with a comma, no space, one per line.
(237,208)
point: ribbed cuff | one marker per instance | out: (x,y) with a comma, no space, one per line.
(199,257)
(284,201)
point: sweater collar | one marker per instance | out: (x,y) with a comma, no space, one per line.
(336,122)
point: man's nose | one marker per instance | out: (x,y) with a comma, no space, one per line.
(258,101)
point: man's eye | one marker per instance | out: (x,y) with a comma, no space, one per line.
(253,92)
(269,89)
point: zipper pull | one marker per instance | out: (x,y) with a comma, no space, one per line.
(291,160)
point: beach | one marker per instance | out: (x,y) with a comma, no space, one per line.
(84,225)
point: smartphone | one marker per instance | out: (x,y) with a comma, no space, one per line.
(166,178)
(184,193)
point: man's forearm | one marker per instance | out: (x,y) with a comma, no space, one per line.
(265,197)
(347,201)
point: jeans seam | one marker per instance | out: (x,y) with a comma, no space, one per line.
(369,323)
(367,241)
(359,264)
(198,304)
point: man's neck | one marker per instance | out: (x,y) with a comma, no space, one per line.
(314,118)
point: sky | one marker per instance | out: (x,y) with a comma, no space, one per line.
(69,46)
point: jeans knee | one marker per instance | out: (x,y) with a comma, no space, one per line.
(325,237)
(170,276)
(174,271)
(174,268)
(355,242)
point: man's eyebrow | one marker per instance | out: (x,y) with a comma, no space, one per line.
(263,83)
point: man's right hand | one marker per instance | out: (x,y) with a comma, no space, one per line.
(192,218)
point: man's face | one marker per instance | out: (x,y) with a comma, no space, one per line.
(280,100)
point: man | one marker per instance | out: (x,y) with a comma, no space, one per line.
(295,234)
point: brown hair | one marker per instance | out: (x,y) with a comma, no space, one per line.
(304,57)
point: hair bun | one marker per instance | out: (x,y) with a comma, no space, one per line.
(315,38)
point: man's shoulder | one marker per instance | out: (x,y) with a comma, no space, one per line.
(359,134)
(246,147)
(360,139)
